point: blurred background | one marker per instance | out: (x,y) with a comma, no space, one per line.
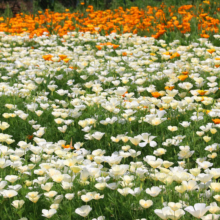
(33,6)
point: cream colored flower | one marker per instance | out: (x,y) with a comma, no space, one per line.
(146,203)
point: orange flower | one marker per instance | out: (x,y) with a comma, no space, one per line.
(185,73)
(204,35)
(216,121)
(73,67)
(30,137)
(166,53)
(66,60)
(202,92)
(157,20)
(47,57)
(155,94)
(124,54)
(62,57)
(115,46)
(67,146)
(169,87)
(124,94)
(182,77)
(98,47)
(211,50)
(174,55)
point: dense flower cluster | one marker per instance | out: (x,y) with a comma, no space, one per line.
(154,21)
(109,127)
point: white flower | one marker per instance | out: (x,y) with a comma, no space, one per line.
(98,135)
(148,140)
(198,210)
(210,217)
(50,194)
(159,151)
(54,206)
(83,210)
(11,178)
(124,191)
(4,125)
(9,193)
(99,218)
(175,206)
(69,196)
(154,191)
(172,128)
(63,128)
(145,203)
(136,140)
(49,213)
(18,203)
(163,213)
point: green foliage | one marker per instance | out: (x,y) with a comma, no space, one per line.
(7,12)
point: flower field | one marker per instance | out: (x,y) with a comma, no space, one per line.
(111,117)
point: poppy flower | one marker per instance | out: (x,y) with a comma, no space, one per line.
(182,77)
(62,57)
(124,94)
(67,146)
(98,47)
(202,92)
(216,121)
(155,94)
(185,73)
(30,137)
(211,51)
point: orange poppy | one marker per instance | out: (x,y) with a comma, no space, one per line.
(211,51)
(62,57)
(47,57)
(155,94)
(216,121)
(185,73)
(182,77)
(169,87)
(66,60)
(124,94)
(115,46)
(30,137)
(67,146)
(202,92)
(98,47)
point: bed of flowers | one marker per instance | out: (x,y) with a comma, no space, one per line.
(202,18)
(109,127)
